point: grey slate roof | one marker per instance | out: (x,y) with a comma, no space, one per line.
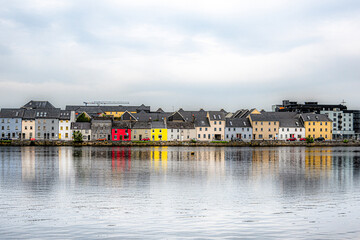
(38,105)
(153,116)
(29,114)
(80,126)
(237,122)
(315,117)
(11,113)
(158,124)
(216,115)
(47,113)
(65,115)
(291,122)
(272,116)
(142,125)
(121,125)
(180,125)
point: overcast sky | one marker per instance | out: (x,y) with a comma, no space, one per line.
(193,54)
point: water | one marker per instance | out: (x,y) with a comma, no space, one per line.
(170,193)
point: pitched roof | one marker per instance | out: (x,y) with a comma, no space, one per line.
(158,124)
(29,114)
(65,115)
(237,122)
(180,125)
(80,125)
(315,117)
(291,122)
(48,113)
(121,125)
(272,116)
(11,113)
(128,116)
(38,105)
(216,115)
(142,125)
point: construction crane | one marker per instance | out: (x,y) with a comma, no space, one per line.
(106,102)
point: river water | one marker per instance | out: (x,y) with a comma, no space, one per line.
(179,193)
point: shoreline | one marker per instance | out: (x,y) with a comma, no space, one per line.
(254,143)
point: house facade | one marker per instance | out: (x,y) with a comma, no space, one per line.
(11,123)
(121,131)
(180,131)
(238,128)
(101,128)
(65,120)
(317,125)
(159,131)
(141,130)
(265,126)
(83,127)
(47,124)
(291,127)
(28,125)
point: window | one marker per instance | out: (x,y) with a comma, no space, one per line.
(2,127)
(61,128)
(261,123)
(208,136)
(260,136)
(25,127)
(219,129)
(274,129)
(269,123)
(66,135)
(214,129)
(153,130)
(314,129)
(309,129)
(261,129)
(269,129)
(115,137)
(115,130)
(160,130)
(325,123)
(16,121)
(313,123)
(325,129)
(320,129)
(198,135)
(67,128)
(215,122)
(200,129)
(205,129)
(204,135)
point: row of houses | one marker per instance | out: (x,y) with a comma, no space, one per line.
(40,120)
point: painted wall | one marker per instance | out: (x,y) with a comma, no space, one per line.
(28,129)
(181,134)
(288,132)
(317,129)
(10,128)
(159,134)
(267,130)
(64,130)
(46,129)
(139,134)
(244,133)
(121,134)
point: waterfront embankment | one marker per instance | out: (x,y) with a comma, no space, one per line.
(254,143)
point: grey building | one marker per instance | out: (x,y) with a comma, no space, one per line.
(238,128)
(101,128)
(10,123)
(343,122)
(47,124)
(38,105)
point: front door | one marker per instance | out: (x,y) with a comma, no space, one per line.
(140,137)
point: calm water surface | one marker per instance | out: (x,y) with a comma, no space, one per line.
(168,192)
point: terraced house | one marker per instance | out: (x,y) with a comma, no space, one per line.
(47,124)
(11,123)
(238,128)
(65,120)
(28,124)
(265,125)
(317,125)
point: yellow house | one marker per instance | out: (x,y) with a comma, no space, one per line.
(265,125)
(118,111)
(317,125)
(158,131)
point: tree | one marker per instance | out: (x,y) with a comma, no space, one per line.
(77,136)
(83,118)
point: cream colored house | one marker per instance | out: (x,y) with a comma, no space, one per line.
(28,125)
(141,130)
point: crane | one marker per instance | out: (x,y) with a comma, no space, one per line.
(106,102)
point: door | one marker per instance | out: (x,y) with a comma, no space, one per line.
(140,137)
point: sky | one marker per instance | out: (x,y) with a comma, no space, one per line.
(191,54)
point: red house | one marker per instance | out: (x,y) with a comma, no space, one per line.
(121,131)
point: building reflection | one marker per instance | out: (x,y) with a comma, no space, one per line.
(318,162)
(120,159)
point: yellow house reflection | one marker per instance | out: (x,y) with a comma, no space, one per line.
(159,158)
(318,161)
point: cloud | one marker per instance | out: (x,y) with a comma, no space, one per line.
(220,54)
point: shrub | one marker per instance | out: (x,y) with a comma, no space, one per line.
(77,136)
(345,141)
(83,118)
(309,140)
(193,140)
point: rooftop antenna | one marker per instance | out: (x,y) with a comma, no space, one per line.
(343,102)
(99,103)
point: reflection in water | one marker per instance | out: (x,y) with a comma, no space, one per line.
(190,192)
